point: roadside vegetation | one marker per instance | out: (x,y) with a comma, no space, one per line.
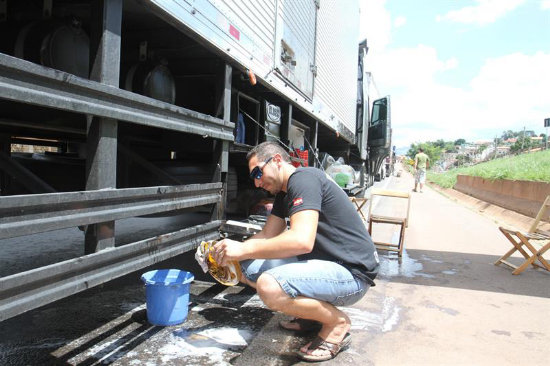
(533,166)
(481,158)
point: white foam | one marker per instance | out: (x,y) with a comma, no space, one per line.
(211,344)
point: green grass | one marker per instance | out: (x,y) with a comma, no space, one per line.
(532,166)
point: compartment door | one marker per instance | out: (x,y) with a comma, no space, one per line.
(295,43)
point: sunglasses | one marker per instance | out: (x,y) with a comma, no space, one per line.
(257,172)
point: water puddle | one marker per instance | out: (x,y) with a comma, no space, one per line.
(391,266)
(383,321)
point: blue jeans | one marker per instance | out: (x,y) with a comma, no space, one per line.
(317,279)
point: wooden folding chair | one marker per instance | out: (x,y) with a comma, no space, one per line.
(359,202)
(402,222)
(537,241)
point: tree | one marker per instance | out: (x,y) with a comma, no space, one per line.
(481,148)
(430,149)
(439,143)
(449,147)
(461,159)
(509,134)
(460,142)
(522,142)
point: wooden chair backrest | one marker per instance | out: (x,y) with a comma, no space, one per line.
(543,209)
(390,193)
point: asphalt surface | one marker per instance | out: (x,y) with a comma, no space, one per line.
(442,303)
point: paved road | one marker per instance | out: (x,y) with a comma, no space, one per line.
(451,305)
(443,303)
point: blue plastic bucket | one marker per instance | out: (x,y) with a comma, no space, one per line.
(167,292)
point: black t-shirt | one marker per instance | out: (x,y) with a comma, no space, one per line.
(341,234)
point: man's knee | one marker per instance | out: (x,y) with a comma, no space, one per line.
(270,291)
(246,281)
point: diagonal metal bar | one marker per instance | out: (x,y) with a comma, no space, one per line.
(26,82)
(27,178)
(30,214)
(166,178)
(28,290)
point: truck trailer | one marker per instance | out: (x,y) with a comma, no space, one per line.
(116,109)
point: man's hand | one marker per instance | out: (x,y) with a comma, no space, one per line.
(228,250)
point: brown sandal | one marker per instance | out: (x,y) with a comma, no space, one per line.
(320,343)
(301,325)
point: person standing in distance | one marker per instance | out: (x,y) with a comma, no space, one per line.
(421,163)
(325,259)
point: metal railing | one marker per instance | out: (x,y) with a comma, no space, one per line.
(30,214)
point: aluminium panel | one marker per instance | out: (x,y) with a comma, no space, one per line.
(336,59)
(225,26)
(255,18)
(295,43)
(220,26)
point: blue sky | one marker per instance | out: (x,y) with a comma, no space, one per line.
(460,69)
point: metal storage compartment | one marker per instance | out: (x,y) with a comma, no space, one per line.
(336,60)
(305,50)
(295,43)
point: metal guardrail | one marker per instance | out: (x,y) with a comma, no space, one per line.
(30,214)
(26,82)
(28,290)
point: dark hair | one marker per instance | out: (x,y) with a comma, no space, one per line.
(267,149)
(420,149)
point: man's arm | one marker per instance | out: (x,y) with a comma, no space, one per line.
(299,239)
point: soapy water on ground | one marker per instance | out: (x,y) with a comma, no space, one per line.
(211,344)
(223,334)
(126,341)
(405,267)
(375,322)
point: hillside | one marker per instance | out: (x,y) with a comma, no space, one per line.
(531,166)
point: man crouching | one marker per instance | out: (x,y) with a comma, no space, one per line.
(326,258)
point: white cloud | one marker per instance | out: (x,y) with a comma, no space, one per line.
(375,24)
(545,4)
(484,12)
(451,63)
(399,21)
(513,89)
(508,92)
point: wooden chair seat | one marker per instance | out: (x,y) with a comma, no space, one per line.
(537,236)
(535,241)
(388,219)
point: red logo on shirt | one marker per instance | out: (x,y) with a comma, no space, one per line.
(297,202)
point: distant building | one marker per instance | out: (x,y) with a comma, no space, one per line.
(483,142)
(502,150)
